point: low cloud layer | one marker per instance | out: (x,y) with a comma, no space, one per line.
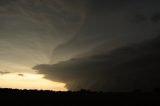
(126,68)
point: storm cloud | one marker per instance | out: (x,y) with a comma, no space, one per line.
(93,44)
(117,49)
(123,69)
(122,22)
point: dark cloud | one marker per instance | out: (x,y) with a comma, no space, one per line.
(124,22)
(4,72)
(139,18)
(155,17)
(126,68)
(110,52)
(21,75)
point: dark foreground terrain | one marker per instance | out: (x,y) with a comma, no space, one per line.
(82,97)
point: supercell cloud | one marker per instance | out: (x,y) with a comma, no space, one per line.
(124,69)
(117,49)
(107,45)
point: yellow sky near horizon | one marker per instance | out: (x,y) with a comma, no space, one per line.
(29,81)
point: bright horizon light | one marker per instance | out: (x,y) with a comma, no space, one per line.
(29,81)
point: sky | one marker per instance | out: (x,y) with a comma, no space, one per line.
(102,45)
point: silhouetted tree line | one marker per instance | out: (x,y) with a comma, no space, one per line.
(80,97)
(81,92)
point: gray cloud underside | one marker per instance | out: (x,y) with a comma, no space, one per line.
(126,68)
